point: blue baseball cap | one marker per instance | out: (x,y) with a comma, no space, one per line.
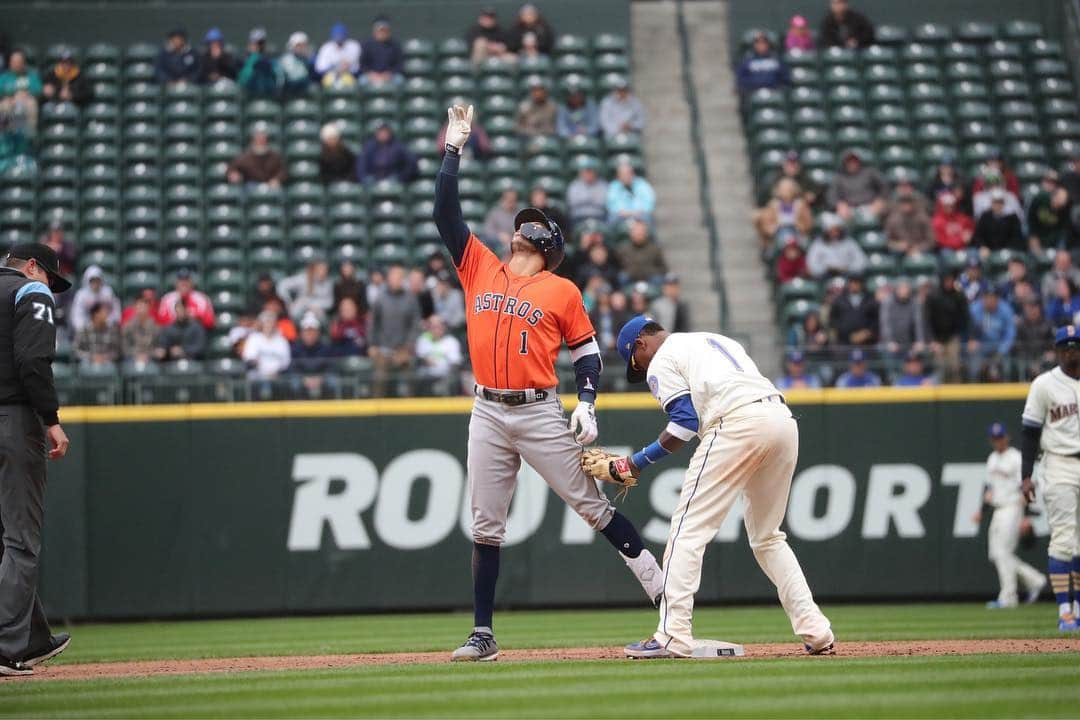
(796,356)
(627,336)
(214,35)
(1067,335)
(997,430)
(857,356)
(339,32)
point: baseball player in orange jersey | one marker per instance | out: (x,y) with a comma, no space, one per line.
(519,315)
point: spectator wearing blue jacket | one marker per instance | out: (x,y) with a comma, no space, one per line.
(177,62)
(578,116)
(630,197)
(858,375)
(795,376)
(761,68)
(312,359)
(990,336)
(384,156)
(381,59)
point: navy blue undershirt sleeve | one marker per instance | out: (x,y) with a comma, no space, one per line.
(447,211)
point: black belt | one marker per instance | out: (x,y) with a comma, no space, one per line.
(511,397)
(769,398)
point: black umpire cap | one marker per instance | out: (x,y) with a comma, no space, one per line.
(46,258)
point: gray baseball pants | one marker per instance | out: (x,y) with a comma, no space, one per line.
(22,508)
(500,437)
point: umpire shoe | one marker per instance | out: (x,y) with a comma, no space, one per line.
(11,668)
(647,650)
(56,645)
(480,647)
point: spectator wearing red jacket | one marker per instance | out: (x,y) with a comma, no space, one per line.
(792,261)
(198,304)
(952,228)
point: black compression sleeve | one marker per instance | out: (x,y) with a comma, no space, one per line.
(1029,449)
(447,211)
(586,376)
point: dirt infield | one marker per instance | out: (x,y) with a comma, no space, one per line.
(149,668)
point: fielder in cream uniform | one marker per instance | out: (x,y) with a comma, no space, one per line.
(1004,495)
(749,443)
(1052,426)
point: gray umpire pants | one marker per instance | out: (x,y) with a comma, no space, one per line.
(500,437)
(22,507)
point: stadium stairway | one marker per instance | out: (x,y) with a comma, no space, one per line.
(669,156)
(750,304)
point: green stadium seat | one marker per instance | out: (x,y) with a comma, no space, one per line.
(1026,150)
(922,72)
(1041,48)
(972,131)
(880,73)
(879,54)
(976,31)
(766,97)
(140,72)
(59,175)
(349,252)
(1055,87)
(1063,129)
(418,67)
(389,254)
(348,234)
(926,92)
(1022,30)
(1012,90)
(919,53)
(979,152)
(816,157)
(1030,171)
(886,94)
(182,132)
(265,234)
(808,117)
(800,97)
(931,112)
(794,311)
(930,32)
(1053,108)
(1003,50)
(609,43)
(805,76)
(963,70)
(1005,69)
(797,58)
(933,132)
(453,46)
(889,114)
(222,131)
(267,258)
(872,241)
(812,136)
(1020,130)
(1050,69)
(848,115)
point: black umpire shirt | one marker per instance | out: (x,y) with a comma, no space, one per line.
(27,344)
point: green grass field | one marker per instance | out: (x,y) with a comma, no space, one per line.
(998,685)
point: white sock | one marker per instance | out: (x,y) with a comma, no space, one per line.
(1064,609)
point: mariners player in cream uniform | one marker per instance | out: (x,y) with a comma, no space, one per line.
(1052,425)
(749,443)
(1004,495)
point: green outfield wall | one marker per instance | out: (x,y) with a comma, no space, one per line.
(358,505)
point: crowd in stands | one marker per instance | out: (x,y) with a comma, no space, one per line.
(295,330)
(960,275)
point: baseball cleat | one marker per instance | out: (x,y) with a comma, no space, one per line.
(1067,623)
(647,649)
(1033,594)
(997,605)
(12,668)
(57,644)
(479,647)
(829,649)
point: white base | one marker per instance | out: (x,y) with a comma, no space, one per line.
(715,650)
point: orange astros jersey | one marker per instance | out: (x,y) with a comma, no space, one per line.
(517,324)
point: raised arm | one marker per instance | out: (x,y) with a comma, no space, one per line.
(447,211)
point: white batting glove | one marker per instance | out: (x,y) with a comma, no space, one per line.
(459,125)
(583,423)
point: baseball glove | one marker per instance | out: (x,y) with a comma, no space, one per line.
(600,464)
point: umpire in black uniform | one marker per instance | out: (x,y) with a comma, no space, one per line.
(29,431)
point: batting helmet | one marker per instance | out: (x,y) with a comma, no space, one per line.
(547,238)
